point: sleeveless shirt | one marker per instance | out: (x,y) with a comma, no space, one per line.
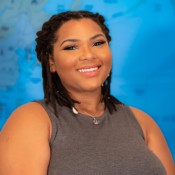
(115,146)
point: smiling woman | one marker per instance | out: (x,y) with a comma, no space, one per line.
(79,127)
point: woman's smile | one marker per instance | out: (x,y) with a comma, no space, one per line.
(89,71)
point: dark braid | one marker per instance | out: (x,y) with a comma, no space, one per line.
(54,91)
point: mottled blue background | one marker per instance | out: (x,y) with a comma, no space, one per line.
(143,47)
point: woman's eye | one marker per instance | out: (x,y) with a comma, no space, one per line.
(70,48)
(99,43)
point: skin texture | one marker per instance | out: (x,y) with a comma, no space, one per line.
(24,141)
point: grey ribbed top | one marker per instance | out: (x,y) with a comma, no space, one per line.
(116,146)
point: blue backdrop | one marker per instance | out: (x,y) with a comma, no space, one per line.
(143,46)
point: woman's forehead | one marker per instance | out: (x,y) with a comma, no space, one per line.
(80,28)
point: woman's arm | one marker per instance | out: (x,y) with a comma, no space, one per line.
(155,140)
(24,142)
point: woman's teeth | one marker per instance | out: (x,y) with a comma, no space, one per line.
(88,70)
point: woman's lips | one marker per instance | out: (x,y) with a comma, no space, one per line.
(90,71)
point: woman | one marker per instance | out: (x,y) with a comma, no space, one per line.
(80,128)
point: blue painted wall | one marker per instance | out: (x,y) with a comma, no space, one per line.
(143,47)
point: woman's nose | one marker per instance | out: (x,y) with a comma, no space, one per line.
(87,54)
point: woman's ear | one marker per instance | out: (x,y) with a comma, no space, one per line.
(52,64)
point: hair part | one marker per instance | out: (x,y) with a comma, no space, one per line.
(54,91)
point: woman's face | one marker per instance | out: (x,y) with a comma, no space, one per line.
(81,56)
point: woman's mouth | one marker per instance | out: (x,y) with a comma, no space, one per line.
(88,70)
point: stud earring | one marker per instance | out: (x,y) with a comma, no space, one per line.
(52,69)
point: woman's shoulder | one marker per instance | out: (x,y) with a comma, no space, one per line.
(155,139)
(146,122)
(29,108)
(30,111)
(143,118)
(24,141)
(29,114)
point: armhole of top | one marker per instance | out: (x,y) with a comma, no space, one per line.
(52,118)
(130,113)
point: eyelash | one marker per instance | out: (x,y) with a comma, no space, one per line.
(70,47)
(98,43)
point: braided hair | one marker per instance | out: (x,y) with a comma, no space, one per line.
(54,91)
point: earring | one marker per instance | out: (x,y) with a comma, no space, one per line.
(52,69)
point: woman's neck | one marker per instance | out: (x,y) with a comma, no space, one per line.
(90,103)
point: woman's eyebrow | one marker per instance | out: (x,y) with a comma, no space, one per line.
(96,36)
(76,40)
(69,40)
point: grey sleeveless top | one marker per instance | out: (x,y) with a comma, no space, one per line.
(115,146)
